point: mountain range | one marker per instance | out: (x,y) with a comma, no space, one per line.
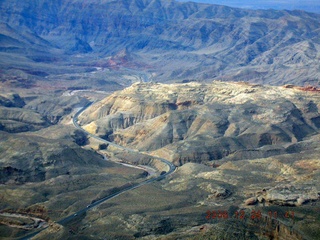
(144,71)
(309,5)
(173,41)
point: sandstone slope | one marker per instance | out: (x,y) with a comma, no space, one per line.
(205,122)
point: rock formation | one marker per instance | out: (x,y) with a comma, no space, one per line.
(196,122)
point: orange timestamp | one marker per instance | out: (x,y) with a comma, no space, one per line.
(242,215)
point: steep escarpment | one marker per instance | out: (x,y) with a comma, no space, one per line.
(204,122)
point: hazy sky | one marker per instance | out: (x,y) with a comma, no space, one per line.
(307,5)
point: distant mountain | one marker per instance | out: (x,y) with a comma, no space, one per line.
(176,41)
(310,5)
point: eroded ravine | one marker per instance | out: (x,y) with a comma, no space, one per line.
(171,169)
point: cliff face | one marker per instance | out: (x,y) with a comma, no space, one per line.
(203,122)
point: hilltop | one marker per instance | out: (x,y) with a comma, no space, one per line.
(197,122)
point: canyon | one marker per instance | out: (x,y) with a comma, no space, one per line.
(229,96)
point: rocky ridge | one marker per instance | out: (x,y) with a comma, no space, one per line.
(177,41)
(205,122)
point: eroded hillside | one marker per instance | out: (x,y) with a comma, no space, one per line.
(239,147)
(204,122)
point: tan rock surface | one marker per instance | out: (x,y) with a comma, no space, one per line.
(204,122)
